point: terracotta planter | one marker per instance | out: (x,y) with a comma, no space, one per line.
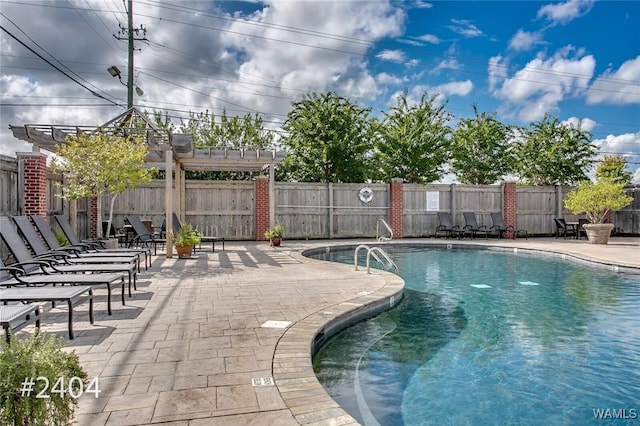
(598,233)
(184,252)
(275,241)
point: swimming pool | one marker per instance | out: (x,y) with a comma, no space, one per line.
(487,337)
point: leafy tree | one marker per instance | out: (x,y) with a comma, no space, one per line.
(554,153)
(414,141)
(612,168)
(247,132)
(481,150)
(100,164)
(328,140)
(209,131)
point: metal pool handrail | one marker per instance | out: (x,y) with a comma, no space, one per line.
(382,237)
(378,254)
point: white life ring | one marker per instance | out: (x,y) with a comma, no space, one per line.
(366,195)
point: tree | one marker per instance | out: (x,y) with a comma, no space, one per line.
(612,168)
(247,132)
(329,139)
(209,131)
(414,141)
(101,164)
(554,153)
(481,150)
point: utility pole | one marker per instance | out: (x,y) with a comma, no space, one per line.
(128,34)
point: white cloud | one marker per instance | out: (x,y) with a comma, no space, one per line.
(391,55)
(585,124)
(386,78)
(563,13)
(543,83)
(458,88)
(619,87)
(497,71)
(620,144)
(524,40)
(429,38)
(465,27)
(420,4)
(446,64)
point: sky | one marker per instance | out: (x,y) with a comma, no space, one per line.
(578,60)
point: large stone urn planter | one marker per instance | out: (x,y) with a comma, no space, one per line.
(598,233)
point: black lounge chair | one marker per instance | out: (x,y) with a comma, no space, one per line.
(91,246)
(501,228)
(142,235)
(447,227)
(57,272)
(72,296)
(565,229)
(74,256)
(471,226)
(15,317)
(176,225)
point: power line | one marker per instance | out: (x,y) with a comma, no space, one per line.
(58,69)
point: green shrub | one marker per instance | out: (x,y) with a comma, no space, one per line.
(38,356)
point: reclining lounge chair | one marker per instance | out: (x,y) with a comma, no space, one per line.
(471,226)
(447,227)
(501,228)
(14,317)
(90,246)
(52,271)
(73,256)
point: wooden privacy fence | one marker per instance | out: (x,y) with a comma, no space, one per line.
(315,210)
(328,210)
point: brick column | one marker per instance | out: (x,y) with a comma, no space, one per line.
(93,217)
(261,214)
(32,174)
(396,208)
(510,206)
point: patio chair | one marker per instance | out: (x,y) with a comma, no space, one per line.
(36,244)
(73,239)
(581,231)
(48,265)
(15,317)
(72,296)
(447,227)
(471,226)
(501,228)
(176,225)
(142,235)
(27,276)
(565,229)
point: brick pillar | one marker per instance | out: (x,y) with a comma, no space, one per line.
(396,208)
(510,206)
(261,193)
(93,217)
(32,174)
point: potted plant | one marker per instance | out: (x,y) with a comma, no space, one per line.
(274,235)
(40,358)
(185,239)
(597,200)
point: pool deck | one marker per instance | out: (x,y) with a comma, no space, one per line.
(225,338)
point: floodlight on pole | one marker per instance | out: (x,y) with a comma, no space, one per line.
(115,72)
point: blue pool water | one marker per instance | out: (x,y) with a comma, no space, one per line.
(484,337)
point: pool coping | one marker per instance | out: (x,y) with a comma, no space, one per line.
(292,366)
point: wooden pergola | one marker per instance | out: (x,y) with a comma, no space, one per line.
(172,152)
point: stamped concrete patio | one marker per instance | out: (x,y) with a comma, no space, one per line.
(225,338)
